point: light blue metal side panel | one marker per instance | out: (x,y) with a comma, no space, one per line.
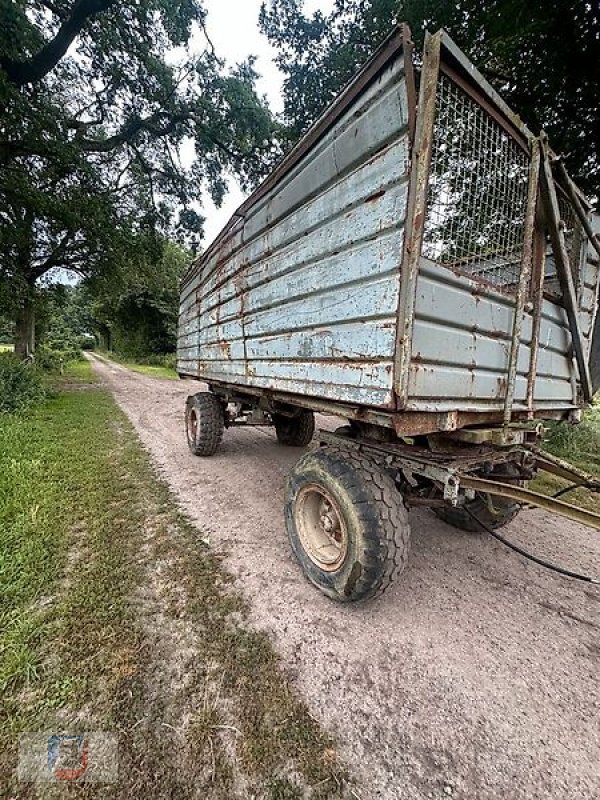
(590,280)
(302,295)
(461,344)
(340,216)
(188,329)
(355,340)
(368,301)
(373,121)
(359,381)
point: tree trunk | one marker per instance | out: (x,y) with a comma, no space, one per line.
(104,335)
(25,327)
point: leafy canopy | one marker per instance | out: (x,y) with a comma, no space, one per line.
(544,58)
(97,99)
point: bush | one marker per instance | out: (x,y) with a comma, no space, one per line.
(87,343)
(167,360)
(52,359)
(21,384)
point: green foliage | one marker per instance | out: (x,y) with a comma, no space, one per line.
(139,311)
(96,99)
(168,361)
(21,384)
(579,444)
(156,366)
(542,57)
(63,319)
(55,360)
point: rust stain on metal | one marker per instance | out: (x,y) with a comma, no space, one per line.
(375,196)
(501,386)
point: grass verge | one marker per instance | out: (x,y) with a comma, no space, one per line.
(117,617)
(580,446)
(153,370)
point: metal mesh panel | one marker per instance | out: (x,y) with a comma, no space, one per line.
(574,238)
(477,193)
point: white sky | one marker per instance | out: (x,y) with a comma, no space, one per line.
(233,28)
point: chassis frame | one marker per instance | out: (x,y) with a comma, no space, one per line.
(450,461)
(453,471)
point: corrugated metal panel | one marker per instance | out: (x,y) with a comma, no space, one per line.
(588,296)
(302,295)
(461,345)
(300,292)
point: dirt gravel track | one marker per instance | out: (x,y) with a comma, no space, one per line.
(477,676)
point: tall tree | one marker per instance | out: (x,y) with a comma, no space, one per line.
(97,99)
(543,57)
(136,315)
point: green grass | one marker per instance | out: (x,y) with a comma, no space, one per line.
(6,348)
(97,569)
(580,446)
(79,371)
(153,370)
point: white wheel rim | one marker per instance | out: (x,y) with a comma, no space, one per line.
(321,527)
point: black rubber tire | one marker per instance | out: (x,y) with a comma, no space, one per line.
(204,423)
(295,431)
(376,521)
(494,512)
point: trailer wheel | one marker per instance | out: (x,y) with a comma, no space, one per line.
(295,431)
(494,512)
(347,524)
(204,423)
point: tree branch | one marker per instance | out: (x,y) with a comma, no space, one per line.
(130,130)
(41,63)
(54,258)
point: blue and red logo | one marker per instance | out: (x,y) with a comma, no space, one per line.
(68,756)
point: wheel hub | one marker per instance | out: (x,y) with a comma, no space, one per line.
(321,527)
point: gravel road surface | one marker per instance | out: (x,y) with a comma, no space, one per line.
(477,676)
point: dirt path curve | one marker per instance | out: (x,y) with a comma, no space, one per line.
(477,676)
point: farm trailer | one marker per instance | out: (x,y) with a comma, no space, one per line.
(427,271)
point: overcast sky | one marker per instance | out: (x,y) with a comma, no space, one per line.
(233,29)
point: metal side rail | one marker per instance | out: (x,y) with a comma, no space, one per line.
(526,496)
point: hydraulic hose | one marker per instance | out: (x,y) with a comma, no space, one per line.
(547,564)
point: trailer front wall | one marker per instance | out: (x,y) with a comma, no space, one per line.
(461,346)
(469,271)
(301,296)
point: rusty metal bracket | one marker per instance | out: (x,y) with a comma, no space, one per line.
(526,259)
(452,472)
(537,298)
(563,269)
(562,469)
(567,184)
(417,204)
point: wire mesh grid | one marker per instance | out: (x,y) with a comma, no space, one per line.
(477,192)
(574,239)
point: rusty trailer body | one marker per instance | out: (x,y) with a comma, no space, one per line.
(421,266)
(376,273)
